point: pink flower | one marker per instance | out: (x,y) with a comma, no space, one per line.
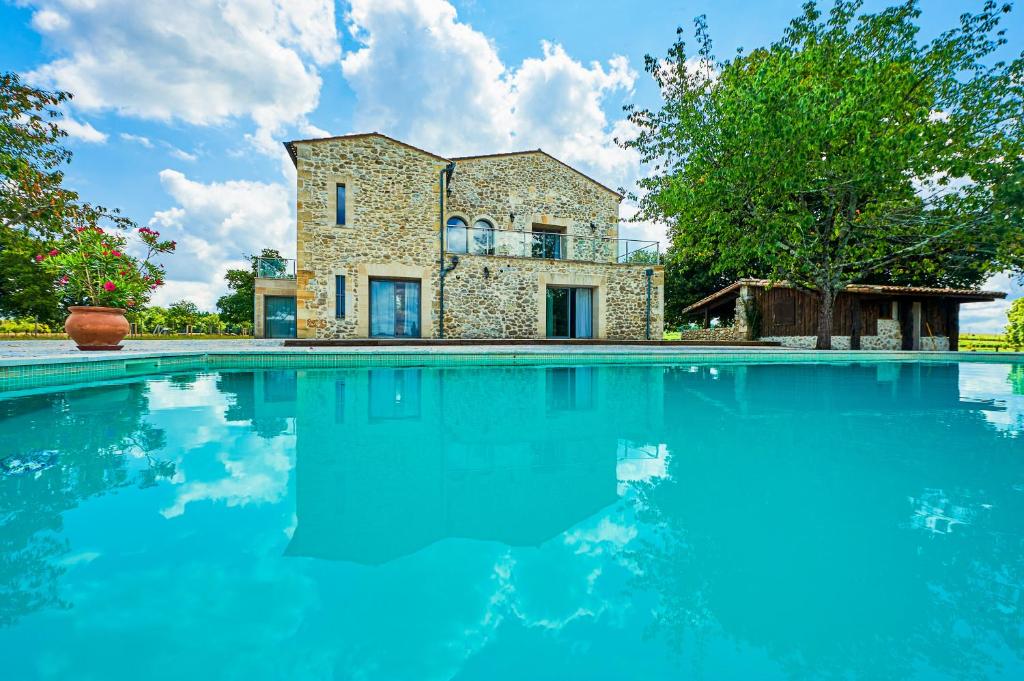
(40,257)
(116,254)
(63,281)
(110,286)
(54,251)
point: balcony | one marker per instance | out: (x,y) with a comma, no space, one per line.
(551,245)
(275,268)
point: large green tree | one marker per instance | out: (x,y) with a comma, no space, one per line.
(237,306)
(36,208)
(848,150)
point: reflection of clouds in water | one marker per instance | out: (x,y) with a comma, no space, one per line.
(252,469)
(994,383)
(640,463)
(259,476)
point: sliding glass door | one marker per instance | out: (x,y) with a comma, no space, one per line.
(570,312)
(279,316)
(395,308)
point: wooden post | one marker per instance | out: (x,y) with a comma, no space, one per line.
(906,323)
(855,318)
(953,324)
(707,318)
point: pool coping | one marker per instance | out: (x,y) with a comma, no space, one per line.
(25,373)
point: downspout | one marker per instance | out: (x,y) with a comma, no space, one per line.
(442,186)
(650,273)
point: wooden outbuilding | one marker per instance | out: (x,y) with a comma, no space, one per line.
(866,316)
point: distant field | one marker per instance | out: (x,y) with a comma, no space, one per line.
(986,342)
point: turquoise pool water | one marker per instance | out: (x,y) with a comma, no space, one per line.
(638,522)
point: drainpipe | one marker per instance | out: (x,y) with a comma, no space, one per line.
(442,185)
(650,273)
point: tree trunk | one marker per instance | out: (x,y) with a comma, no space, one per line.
(826,302)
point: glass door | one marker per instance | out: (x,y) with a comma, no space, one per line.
(279,316)
(394,308)
(570,312)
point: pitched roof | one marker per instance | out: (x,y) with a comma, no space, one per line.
(290,146)
(966,294)
(293,154)
(543,153)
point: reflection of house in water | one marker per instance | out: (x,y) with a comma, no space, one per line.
(265,399)
(392,460)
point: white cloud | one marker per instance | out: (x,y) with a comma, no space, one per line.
(991,317)
(183,155)
(202,62)
(215,224)
(81,131)
(46,21)
(137,139)
(427,78)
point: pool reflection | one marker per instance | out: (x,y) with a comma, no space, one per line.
(427,455)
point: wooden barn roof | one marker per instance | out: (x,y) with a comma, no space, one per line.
(964,294)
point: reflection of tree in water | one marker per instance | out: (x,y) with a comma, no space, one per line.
(785,522)
(265,400)
(64,448)
(1016,379)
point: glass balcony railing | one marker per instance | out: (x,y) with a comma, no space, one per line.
(552,245)
(275,268)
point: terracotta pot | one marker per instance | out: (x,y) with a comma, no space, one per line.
(97,328)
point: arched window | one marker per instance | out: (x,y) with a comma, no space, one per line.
(483,238)
(457,235)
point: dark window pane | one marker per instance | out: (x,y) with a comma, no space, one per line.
(341,204)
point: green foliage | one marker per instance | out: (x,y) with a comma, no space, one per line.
(93,267)
(183,315)
(26,325)
(687,280)
(237,306)
(1015,325)
(36,209)
(845,151)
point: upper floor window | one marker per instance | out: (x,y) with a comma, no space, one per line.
(457,235)
(339,199)
(483,238)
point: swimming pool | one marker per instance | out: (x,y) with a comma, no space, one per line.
(737,521)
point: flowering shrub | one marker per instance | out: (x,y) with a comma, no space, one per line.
(93,267)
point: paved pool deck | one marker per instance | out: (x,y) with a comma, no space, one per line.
(20,353)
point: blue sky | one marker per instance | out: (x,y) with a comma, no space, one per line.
(178,115)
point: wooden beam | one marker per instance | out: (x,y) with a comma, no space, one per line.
(953,324)
(904,309)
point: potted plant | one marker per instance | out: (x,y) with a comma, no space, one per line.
(93,267)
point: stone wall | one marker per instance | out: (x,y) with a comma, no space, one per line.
(715,333)
(392,219)
(889,338)
(392,230)
(535,189)
(509,299)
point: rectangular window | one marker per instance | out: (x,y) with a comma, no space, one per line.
(340,204)
(339,296)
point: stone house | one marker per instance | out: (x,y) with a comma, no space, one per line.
(865,316)
(392,239)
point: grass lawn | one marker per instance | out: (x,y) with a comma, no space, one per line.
(986,342)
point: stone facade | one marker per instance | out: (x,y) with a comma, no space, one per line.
(714,333)
(889,338)
(393,217)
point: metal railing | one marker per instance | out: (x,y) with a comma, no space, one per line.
(552,245)
(275,268)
